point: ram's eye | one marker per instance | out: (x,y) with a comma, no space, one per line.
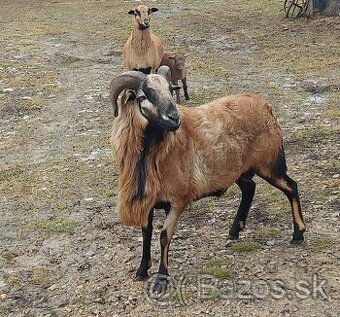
(141,98)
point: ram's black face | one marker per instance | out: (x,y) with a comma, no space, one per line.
(156,103)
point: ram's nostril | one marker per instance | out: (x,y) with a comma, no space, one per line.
(173,115)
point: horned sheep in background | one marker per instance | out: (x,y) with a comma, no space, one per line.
(176,63)
(143,50)
(169,156)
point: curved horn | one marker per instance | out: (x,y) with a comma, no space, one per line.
(127,80)
(164,71)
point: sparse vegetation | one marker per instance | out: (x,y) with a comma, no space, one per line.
(58,180)
(267,232)
(320,244)
(50,226)
(35,103)
(245,246)
(40,276)
(217,268)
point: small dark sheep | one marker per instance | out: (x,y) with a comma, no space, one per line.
(176,63)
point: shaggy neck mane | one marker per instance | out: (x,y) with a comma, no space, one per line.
(139,153)
(141,38)
(151,139)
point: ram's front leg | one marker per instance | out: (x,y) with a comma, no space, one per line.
(142,272)
(167,232)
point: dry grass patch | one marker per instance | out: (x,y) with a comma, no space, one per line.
(321,243)
(219,268)
(245,246)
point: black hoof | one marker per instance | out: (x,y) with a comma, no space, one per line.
(161,285)
(233,237)
(141,275)
(297,237)
(296,241)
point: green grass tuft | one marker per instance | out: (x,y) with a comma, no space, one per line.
(245,246)
(320,243)
(35,103)
(50,226)
(55,225)
(267,232)
(217,268)
(40,276)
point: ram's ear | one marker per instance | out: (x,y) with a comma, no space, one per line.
(172,56)
(132,12)
(129,95)
(152,10)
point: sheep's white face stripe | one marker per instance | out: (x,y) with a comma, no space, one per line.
(147,108)
(146,104)
(158,88)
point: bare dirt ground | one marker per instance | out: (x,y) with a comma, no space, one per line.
(63,251)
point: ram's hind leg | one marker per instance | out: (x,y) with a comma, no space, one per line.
(185,88)
(289,187)
(247,186)
(278,178)
(142,272)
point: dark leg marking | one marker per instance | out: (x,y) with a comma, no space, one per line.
(297,235)
(161,281)
(142,272)
(167,232)
(247,186)
(185,88)
(163,267)
(282,181)
(294,199)
(289,187)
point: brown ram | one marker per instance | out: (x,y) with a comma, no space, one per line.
(169,156)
